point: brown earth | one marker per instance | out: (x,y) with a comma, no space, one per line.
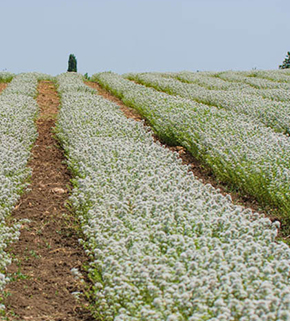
(200,171)
(2,86)
(48,247)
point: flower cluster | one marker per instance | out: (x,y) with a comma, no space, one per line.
(73,83)
(17,133)
(255,81)
(24,84)
(163,245)
(6,76)
(238,150)
(272,85)
(274,114)
(274,75)
(208,80)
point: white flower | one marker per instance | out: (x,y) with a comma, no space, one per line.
(163,244)
(17,133)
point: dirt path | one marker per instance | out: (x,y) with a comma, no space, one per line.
(201,172)
(2,86)
(48,247)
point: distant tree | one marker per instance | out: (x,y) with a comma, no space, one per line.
(72,63)
(286,62)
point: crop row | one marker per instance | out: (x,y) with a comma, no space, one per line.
(163,246)
(250,156)
(273,85)
(6,76)
(72,84)
(231,80)
(274,75)
(257,82)
(208,80)
(17,133)
(271,113)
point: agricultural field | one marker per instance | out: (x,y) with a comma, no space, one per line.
(17,132)
(156,241)
(236,144)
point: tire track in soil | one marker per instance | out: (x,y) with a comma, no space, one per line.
(48,247)
(200,171)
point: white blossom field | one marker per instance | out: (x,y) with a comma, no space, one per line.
(162,245)
(271,84)
(6,76)
(274,114)
(239,150)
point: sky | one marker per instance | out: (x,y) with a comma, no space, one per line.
(143,35)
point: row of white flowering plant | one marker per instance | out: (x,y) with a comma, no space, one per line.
(18,110)
(274,114)
(271,84)
(163,245)
(238,150)
(6,77)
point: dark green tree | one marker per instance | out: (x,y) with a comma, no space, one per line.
(72,63)
(286,62)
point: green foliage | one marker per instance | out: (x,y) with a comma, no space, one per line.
(72,63)
(286,62)
(86,76)
(6,77)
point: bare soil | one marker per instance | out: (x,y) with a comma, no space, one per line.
(2,86)
(48,247)
(200,171)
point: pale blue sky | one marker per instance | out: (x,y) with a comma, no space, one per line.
(143,35)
